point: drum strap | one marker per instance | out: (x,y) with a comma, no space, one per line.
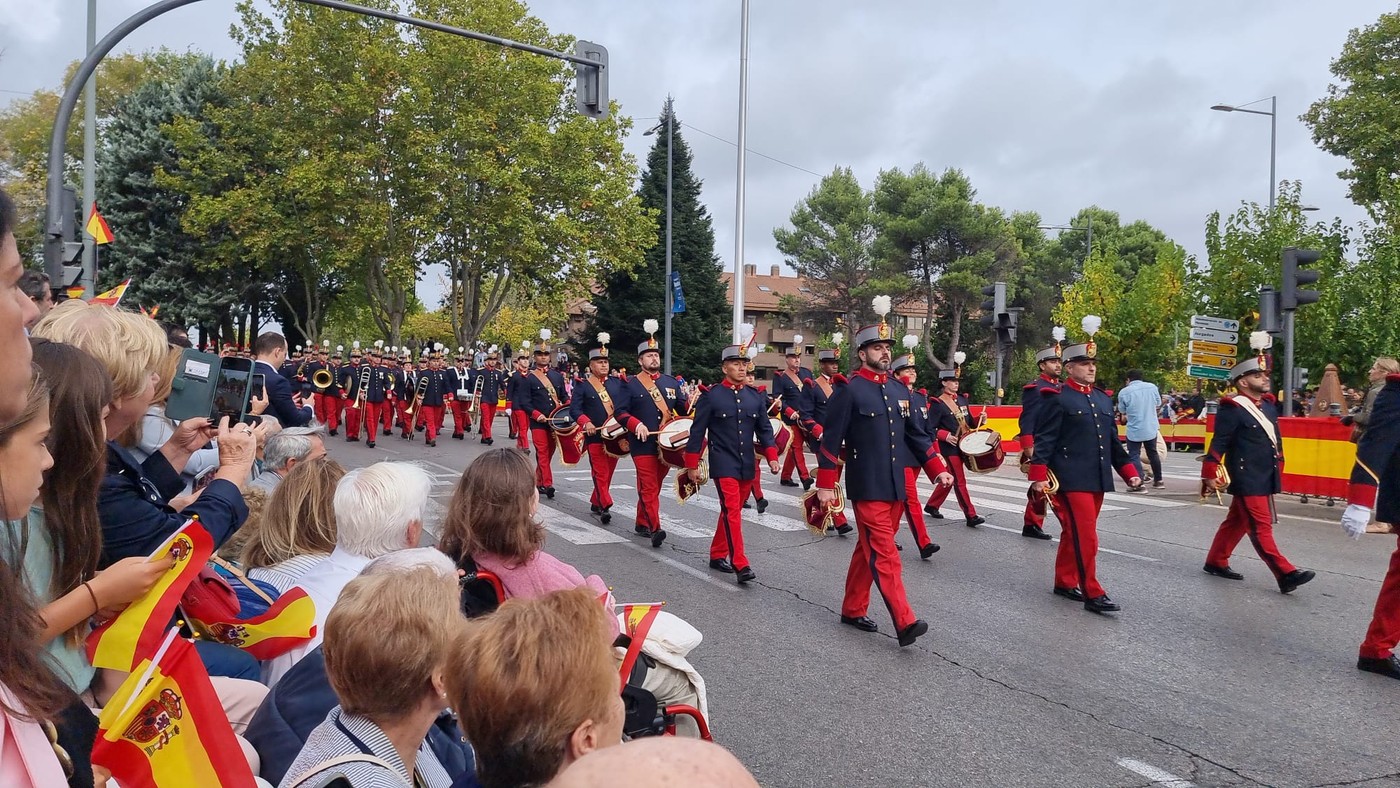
(825,385)
(602,389)
(655,392)
(548,386)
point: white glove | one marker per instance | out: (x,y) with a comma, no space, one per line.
(1355,519)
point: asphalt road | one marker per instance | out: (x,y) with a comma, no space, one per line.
(1199,681)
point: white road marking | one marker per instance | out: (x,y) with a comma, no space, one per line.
(775,521)
(652,553)
(576,530)
(1056,540)
(1214,505)
(623,511)
(1157,776)
(1133,498)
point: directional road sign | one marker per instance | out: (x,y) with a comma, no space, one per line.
(1208,360)
(1210,373)
(1215,335)
(1220,323)
(1214,348)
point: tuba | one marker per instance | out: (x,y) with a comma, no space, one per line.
(322,378)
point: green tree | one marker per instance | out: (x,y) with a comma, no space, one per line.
(1359,118)
(627,298)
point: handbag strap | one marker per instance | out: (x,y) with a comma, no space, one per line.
(242,578)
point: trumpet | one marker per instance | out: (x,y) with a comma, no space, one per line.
(322,378)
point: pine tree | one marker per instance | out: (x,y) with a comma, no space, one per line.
(626,300)
(167,266)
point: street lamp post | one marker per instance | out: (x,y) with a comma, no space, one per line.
(670,165)
(739,176)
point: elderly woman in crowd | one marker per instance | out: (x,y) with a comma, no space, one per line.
(535,687)
(1383,366)
(284,450)
(297,530)
(386,644)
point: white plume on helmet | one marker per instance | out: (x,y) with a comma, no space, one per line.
(650,325)
(546,334)
(753,352)
(461,349)
(437,346)
(959,357)
(910,341)
(378,343)
(339,348)
(881,305)
(492,349)
(325,343)
(524,343)
(1058,332)
(745,332)
(1260,340)
(355,345)
(1091,324)
(604,337)
(837,338)
(797,339)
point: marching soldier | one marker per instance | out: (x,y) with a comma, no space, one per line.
(1048,360)
(731,417)
(378,397)
(1375,483)
(405,386)
(787,388)
(652,400)
(460,378)
(594,403)
(492,383)
(905,372)
(349,380)
(288,369)
(543,393)
(757,489)
(1246,452)
(1076,443)
(435,394)
(812,405)
(949,419)
(517,416)
(868,420)
(390,362)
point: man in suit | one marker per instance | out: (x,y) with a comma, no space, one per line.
(269,351)
(1248,443)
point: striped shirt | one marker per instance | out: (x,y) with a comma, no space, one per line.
(349,734)
(285,574)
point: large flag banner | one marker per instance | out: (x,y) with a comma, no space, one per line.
(290,622)
(97,227)
(136,632)
(111,297)
(166,727)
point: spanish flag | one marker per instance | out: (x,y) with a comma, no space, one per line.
(136,632)
(111,297)
(76,291)
(290,622)
(166,727)
(97,227)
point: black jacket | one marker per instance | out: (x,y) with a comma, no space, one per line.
(1254,461)
(1077,438)
(870,418)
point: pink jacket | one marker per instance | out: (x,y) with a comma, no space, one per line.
(26,756)
(542,574)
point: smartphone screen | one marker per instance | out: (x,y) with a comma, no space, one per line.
(259,381)
(231,389)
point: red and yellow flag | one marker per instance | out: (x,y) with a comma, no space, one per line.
(165,726)
(76,291)
(290,622)
(97,227)
(638,618)
(111,297)
(136,632)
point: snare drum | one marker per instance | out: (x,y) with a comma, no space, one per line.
(782,436)
(671,440)
(981,450)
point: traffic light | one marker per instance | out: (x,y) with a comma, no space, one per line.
(994,307)
(1268,311)
(1294,274)
(1006,325)
(591,83)
(1300,378)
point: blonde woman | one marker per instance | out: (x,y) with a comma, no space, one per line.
(297,530)
(1384,365)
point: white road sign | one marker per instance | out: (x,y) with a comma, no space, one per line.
(1215,335)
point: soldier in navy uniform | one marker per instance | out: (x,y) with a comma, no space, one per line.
(596,399)
(288,369)
(644,413)
(348,377)
(543,392)
(435,393)
(378,397)
(867,420)
(460,380)
(492,381)
(757,489)
(405,388)
(389,360)
(905,371)
(1032,395)
(1076,440)
(1248,444)
(948,419)
(787,386)
(327,399)
(732,417)
(812,405)
(516,415)
(1375,484)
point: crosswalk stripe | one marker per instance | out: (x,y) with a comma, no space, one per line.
(624,511)
(775,521)
(1135,498)
(576,530)
(1056,540)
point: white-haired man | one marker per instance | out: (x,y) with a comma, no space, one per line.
(378,509)
(286,449)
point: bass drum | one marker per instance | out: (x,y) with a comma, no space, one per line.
(981,450)
(671,440)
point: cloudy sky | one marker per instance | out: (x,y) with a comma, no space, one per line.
(1047,106)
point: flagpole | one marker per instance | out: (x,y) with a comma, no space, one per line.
(89,273)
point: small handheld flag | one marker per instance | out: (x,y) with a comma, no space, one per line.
(97,227)
(112,297)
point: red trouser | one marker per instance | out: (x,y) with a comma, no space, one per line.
(376,413)
(352,421)
(543,438)
(651,472)
(405,418)
(1253,515)
(876,559)
(488,415)
(442,414)
(603,465)
(756,487)
(327,411)
(386,415)
(461,419)
(729,533)
(522,428)
(795,460)
(912,512)
(431,416)
(1077,559)
(1384,631)
(940,492)
(1035,509)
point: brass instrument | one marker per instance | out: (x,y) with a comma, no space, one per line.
(474,406)
(1222,476)
(1052,484)
(322,378)
(301,371)
(365,374)
(419,391)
